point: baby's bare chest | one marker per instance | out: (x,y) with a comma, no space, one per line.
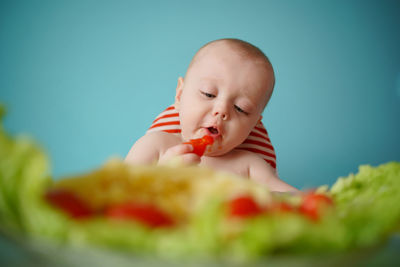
(233,162)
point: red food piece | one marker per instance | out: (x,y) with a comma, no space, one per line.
(244,206)
(69,203)
(146,214)
(313,204)
(200,144)
(281,207)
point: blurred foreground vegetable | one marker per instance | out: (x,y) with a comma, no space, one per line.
(181,211)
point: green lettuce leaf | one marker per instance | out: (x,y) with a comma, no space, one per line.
(24,175)
(367,203)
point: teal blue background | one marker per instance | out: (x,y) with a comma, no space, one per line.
(86,78)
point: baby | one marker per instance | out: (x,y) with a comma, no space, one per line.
(226,88)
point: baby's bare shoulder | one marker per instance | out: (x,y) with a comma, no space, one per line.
(250,160)
(162,136)
(161,140)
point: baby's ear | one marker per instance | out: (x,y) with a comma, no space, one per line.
(179,89)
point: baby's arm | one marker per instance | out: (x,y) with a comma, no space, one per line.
(146,150)
(263,173)
(160,147)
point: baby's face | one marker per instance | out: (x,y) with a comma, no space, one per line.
(222,95)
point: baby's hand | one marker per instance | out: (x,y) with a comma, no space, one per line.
(184,151)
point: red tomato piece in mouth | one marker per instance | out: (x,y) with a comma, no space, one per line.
(200,144)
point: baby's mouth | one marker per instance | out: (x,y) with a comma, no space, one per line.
(213,131)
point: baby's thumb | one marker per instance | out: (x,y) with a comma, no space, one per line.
(191,159)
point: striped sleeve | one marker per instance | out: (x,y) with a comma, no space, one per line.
(258,142)
(167,121)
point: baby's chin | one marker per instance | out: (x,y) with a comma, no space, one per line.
(215,150)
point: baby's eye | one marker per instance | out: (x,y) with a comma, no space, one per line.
(208,94)
(241,110)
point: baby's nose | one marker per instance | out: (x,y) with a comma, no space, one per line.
(221,112)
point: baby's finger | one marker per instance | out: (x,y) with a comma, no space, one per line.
(175,151)
(179,150)
(191,159)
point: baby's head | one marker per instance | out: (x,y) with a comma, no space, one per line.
(226,88)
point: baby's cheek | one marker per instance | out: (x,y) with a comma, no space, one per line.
(243,128)
(190,121)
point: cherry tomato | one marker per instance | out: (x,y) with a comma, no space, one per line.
(69,203)
(244,206)
(146,214)
(200,144)
(313,205)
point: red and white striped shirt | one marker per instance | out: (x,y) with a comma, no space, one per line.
(257,141)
